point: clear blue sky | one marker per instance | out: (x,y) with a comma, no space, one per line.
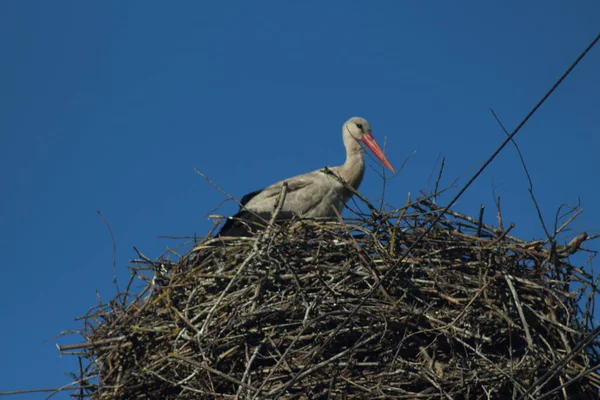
(110,106)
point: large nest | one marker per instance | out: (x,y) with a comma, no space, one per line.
(300,312)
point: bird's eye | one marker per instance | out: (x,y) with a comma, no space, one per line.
(359,126)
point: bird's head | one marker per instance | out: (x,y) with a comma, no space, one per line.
(359,129)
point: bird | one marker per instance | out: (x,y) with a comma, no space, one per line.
(317,194)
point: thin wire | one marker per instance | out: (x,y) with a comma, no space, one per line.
(441,214)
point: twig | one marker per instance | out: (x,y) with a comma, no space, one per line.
(114,243)
(229,197)
(239,271)
(541,382)
(44,390)
(480,220)
(439,178)
(508,279)
(392,270)
(212,371)
(322,364)
(530,189)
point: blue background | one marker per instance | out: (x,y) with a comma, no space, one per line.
(111,105)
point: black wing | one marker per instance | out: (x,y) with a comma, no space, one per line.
(241,224)
(249,197)
(247,222)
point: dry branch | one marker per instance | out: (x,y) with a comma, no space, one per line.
(473,313)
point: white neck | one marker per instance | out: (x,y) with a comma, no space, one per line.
(354,168)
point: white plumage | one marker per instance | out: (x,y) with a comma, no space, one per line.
(310,195)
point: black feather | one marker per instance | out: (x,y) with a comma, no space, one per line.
(247,223)
(249,197)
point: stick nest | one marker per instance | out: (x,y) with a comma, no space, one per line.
(470,313)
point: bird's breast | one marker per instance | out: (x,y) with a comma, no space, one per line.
(322,202)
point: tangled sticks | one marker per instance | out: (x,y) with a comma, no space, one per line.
(471,313)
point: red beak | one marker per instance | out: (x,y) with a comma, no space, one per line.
(370,142)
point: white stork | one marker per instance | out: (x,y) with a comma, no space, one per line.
(310,195)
